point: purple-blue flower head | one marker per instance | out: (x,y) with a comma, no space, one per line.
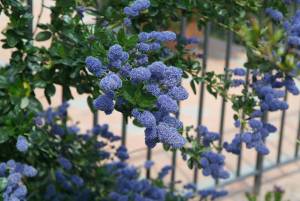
(140,74)
(169,135)
(65,163)
(166,103)
(146,118)
(22,144)
(239,71)
(157,69)
(178,93)
(94,65)
(110,82)
(104,103)
(276,15)
(172,76)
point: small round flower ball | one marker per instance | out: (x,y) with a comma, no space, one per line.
(22,144)
(172,76)
(166,103)
(239,71)
(21,191)
(157,69)
(94,65)
(255,124)
(115,52)
(275,14)
(65,163)
(127,22)
(104,103)
(178,93)
(140,74)
(78,181)
(147,119)
(29,171)
(169,135)
(143,36)
(110,82)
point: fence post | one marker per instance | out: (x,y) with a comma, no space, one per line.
(298,138)
(259,166)
(202,85)
(30,7)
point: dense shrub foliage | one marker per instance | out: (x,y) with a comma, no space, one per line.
(123,62)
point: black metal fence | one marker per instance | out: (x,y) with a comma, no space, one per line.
(260,169)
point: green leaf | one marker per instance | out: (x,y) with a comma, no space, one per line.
(3,182)
(42,36)
(11,41)
(24,102)
(193,86)
(4,135)
(49,92)
(268,196)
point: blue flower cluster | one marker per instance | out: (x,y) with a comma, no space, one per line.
(207,137)
(275,14)
(292,28)
(134,10)
(212,194)
(22,144)
(14,173)
(267,88)
(213,164)
(130,187)
(160,80)
(136,7)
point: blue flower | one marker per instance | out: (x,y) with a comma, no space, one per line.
(178,93)
(95,66)
(151,137)
(140,74)
(172,121)
(136,7)
(65,163)
(239,71)
(127,22)
(164,171)
(207,136)
(145,118)
(169,135)
(104,103)
(157,69)
(255,124)
(213,164)
(22,144)
(172,76)
(78,181)
(110,82)
(276,15)
(148,164)
(166,103)
(154,89)
(122,153)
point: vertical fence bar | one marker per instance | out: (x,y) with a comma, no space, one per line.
(281,131)
(298,138)
(259,167)
(124,130)
(226,68)
(30,7)
(227,62)
(202,85)
(174,153)
(239,162)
